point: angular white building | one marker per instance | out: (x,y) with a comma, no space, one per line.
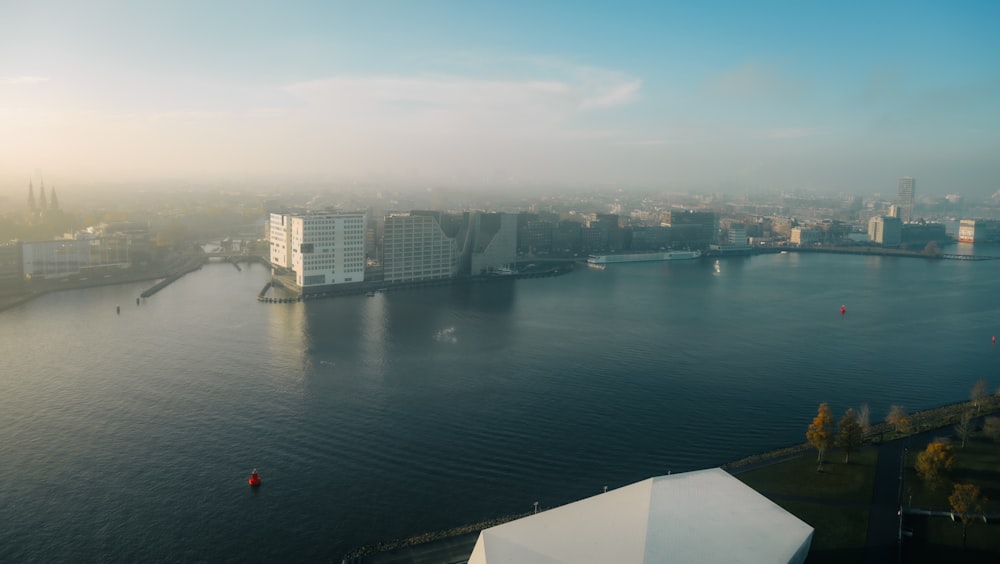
(703,516)
(320,248)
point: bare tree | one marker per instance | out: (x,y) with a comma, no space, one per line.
(898,419)
(980,391)
(864,418)
(964,426)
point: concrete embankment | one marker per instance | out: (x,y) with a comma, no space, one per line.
(190,265)
(373,287)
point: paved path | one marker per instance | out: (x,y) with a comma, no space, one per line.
(883,543)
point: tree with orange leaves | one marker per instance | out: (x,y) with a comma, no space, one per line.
(820,433)
(964,501)
(936,461)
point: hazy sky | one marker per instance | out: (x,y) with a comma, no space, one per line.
(729,96)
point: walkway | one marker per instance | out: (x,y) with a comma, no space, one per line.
(884,521)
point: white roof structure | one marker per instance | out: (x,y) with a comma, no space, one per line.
(702,516)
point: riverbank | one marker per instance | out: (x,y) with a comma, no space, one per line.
(920,423)
(171,269)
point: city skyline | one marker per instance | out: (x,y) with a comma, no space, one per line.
(718,97)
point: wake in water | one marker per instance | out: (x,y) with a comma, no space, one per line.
(446,336)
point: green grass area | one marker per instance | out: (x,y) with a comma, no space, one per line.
(978,463)
(838,481)
(839,532)
(828,500)
(938,539)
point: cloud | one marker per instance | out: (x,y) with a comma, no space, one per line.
(619,95)
(30,79)
(756,81)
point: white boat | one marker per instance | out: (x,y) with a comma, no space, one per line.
(643,257)
(596,266)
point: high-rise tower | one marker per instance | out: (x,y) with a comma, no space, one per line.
(907,191)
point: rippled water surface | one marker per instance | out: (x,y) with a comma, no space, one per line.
(130,437)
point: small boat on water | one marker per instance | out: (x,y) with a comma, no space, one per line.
(596,266)
(254,480)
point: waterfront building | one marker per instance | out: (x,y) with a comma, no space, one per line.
(693,229)
(11,269)
(318,248)
(420,245)
(494,242)
(979,230)
(66,257)
(701,516)
(918,235)
(905,198)
(534,232)
(649,238)
(885,231)
(804,236)
(567,236)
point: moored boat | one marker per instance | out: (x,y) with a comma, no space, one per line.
(643,257)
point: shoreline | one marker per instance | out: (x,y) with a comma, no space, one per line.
(935,418)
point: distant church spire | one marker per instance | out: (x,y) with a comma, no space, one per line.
(31,198)
(53,201)
(42,204)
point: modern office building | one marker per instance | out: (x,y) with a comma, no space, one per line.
(693,229)
(906,197)
(319,248)
(419,245)
(495,243)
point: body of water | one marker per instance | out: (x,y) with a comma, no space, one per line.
(129,437)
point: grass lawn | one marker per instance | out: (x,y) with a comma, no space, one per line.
(937,539)
(828,500)
(837,482)
(978,463)
(840,532)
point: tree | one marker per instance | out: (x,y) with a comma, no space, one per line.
(864,418)
(932,249)
(964,426)
(898,419)
(980,391)
(991,428)
(935,462)
(820,433)
(964,501)
(849,437)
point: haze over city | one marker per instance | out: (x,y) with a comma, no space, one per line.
(719,96)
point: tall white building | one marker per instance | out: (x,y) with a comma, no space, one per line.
(320,248)
(416,247)
(905,198)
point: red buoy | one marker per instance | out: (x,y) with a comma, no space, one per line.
(254,480)
(994,339)
(843,310)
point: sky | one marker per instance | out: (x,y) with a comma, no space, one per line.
(694,96)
